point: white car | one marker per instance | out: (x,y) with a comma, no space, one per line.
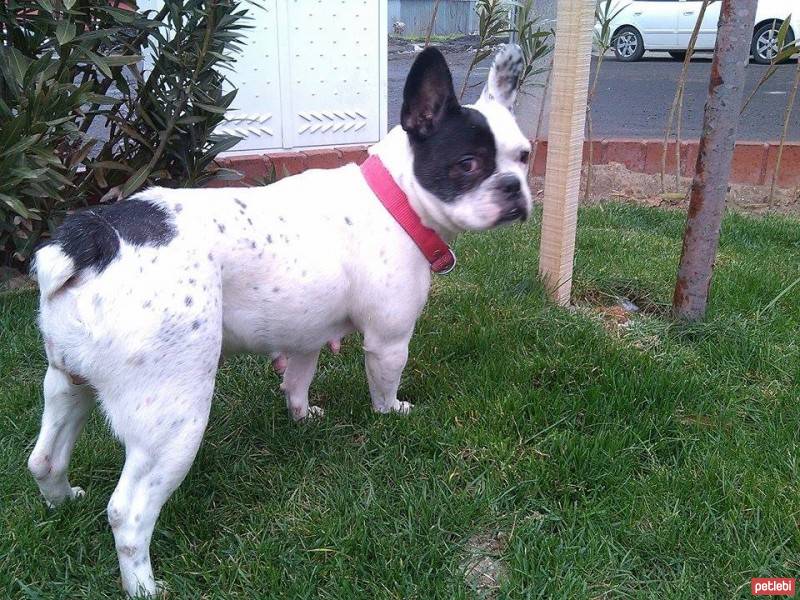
(667,25)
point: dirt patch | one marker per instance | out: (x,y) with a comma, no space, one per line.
(463,43)
(484,571)
(11,279)
(614,182)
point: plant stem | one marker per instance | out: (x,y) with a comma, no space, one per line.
(432,23)
(540,118)
(590,161)
(677,102)
(786,116)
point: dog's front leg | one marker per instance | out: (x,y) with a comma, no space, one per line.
(385,360)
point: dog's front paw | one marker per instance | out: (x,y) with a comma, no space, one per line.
(400,407)
(314,413)
(306,414)
(75,493)
(403,408)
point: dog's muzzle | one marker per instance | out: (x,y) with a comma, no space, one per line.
(512,200)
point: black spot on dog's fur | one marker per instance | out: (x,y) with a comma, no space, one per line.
(240,203)
(454,148)
(91,238)
(348,221)
(463,141)
(188,301)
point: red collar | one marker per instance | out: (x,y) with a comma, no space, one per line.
(396,202)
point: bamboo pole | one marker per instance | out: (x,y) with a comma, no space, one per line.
(570,85)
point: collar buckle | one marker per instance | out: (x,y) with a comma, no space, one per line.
(447,262)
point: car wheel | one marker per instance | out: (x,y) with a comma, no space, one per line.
(628,44)
(765,43)
(677,55)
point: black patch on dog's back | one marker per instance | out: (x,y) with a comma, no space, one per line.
(91,237)
(140,222)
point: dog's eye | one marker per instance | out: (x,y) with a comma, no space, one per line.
(468,165)
(524,156)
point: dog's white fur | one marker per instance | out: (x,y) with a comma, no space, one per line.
(277,270)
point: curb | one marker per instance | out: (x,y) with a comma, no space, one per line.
(753,162)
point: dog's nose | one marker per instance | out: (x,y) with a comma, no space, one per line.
(510,185)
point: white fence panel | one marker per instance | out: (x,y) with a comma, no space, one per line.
(256,113)
(313,73)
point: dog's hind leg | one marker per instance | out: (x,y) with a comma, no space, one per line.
(159,449)
(300,369)
(66,407)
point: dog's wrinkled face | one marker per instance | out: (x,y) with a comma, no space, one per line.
(472,159)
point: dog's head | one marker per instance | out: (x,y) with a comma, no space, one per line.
(471,161)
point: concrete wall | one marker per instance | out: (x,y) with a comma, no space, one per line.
(454,16)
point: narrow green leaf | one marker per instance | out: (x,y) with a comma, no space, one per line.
(120,60)
(190,120)
(135,182)
(111,166)
(16,205)
(211,108)
(101,99)
(65,32)
(98,60)
(46,4)
(227,175)
(18,63)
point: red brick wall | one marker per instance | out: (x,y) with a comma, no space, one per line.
(753,162)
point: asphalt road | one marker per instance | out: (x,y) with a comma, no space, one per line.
(633,99)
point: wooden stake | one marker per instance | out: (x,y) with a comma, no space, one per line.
(572,58)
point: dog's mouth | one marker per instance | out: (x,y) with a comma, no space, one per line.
(513,213)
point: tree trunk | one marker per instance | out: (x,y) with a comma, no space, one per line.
(710,184)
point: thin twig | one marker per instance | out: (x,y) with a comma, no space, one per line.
(677,102)
(678,142)
(786,116)
(590,162)
(432,23)
(539,119)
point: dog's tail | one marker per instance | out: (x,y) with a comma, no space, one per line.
(52,269)
(85,240)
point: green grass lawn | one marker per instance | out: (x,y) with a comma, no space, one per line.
(646,461)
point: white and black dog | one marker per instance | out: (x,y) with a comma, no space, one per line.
(141,298)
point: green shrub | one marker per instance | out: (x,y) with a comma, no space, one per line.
(153,80)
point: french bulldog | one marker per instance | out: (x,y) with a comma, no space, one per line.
(140,299)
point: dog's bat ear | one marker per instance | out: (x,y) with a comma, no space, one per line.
(504,76)
(428,95)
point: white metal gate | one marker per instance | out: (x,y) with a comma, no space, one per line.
(313,73)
